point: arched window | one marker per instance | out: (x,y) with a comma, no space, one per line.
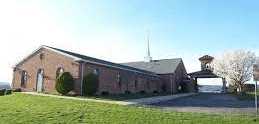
(208,66)
(59,71)
(24,78)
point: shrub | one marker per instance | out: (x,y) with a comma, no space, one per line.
(2,92)
(105,93)
(17,90)
(249,87)
(127,92)
(163,87)
(8,92)
(64,83)
(142,92)
(184,87)
(155,92)
(90,84)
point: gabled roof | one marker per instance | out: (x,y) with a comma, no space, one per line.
(164,66)
(83,58)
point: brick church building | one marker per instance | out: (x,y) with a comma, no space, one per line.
(38,71)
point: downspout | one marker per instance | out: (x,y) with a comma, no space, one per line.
(13,79)
(82,76)
(171,81)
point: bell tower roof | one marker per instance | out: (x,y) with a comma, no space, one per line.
(206,58)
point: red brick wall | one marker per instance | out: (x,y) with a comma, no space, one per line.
(107,75)
(108,80)
(177,77)
(50,63)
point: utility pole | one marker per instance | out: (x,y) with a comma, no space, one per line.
(256,78)
(256,105)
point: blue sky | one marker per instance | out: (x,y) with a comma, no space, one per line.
(115,30)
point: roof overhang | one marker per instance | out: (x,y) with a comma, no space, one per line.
(97,63)
(45,47)
(77,59)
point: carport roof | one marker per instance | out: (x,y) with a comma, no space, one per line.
(203,74)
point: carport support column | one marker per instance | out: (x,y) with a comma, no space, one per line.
(224,85)
(196,84)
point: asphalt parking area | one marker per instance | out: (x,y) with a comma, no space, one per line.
(209,103)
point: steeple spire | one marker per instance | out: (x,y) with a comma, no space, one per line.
(148,49)
(148,58)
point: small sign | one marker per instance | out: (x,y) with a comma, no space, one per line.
(256,72)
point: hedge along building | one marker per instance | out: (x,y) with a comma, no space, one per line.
(39,70)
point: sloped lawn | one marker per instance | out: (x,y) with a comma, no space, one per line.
(21,108)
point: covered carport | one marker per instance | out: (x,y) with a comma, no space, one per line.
(206,72)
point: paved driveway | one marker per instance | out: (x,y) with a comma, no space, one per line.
(210,103)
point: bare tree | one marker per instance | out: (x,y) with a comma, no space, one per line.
(236,67)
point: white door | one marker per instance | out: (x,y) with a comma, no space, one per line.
(39,80)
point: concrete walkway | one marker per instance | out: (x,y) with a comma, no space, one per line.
(141,101)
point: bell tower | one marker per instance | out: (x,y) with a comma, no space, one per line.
(206,63)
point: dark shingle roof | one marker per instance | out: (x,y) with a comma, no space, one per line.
(203,74)
(206,57)
(83,57)
(164,66)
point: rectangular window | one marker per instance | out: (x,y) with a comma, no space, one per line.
(119,79)
(24,77)
(148,84)
(96,72)
(136,83)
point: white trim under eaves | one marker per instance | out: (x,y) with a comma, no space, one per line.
(87,61)
(62,53)
(45,47)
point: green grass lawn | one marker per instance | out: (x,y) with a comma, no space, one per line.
(21,108)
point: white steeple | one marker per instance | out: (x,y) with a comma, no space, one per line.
(148,58)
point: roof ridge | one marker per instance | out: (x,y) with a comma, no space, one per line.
(169,59)
(152,60)
(96,60)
